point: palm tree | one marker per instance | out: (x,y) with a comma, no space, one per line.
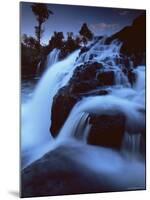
(42,13)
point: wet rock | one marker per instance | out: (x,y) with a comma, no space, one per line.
(57,173)
(106,78)
(87,79)
(83,87)
(63,102)
(86,72)
(107,130)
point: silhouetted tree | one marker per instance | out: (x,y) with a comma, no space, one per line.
(85,32)
(29,41)
(56,40)
(42,13)
(70,44)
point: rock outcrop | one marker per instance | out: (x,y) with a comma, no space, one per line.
(58,173)
(88,79)
(134,40)
(107,130)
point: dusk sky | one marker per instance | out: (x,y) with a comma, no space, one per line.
(68,18)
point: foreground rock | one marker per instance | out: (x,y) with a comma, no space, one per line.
(107,130)
(57,174)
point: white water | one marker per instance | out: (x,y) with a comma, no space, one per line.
(53,56)
(36,115)
(38,68)
(128,170)
(107,55)
(131,144)
(102,51)
(126,100)
(109,105)
(122,172)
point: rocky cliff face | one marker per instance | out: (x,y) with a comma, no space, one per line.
(134,40)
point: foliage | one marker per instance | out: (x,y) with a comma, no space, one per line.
(29,41)
(56,40)
(42,13)
(34,54)
(86,33)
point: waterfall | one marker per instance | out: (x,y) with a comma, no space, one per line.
(52,57)
(83,128)
(131,144)
(108,55)
(36,114)
(38,68)
(139,85)
(121,79)
(129,101)
(101,51)
(127,173)
(140,74)
(99,105)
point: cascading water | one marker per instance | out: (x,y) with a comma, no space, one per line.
(36,114)
(109,105)
(83,128)
(53,56)
(131,144)
(100,52)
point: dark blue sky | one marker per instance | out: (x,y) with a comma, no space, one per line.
(68,18)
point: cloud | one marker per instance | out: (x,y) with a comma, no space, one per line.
(124,12)
(103,26)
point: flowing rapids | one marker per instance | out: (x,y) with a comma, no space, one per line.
(36,113)
(53,57)
(123,98)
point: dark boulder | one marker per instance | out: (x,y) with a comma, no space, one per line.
(83,87)
(58,173)
(106,78)
(87,80)
(63,102)
(107,130)
(133,39)
(86,72)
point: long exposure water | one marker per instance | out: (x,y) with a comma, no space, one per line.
(129,100)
